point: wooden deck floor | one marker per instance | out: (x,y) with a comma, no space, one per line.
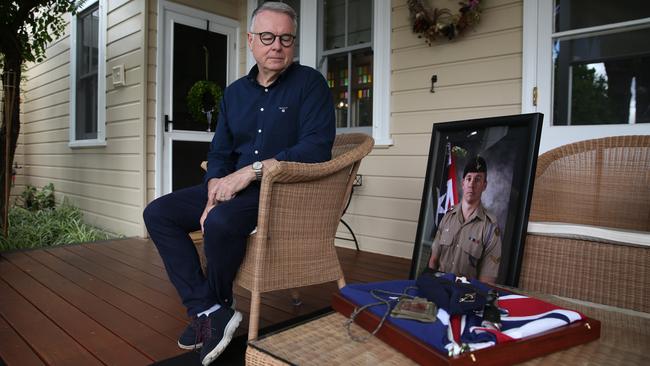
(111,303)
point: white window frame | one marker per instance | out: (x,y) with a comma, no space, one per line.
(381,37)
(537,66)
(100,140)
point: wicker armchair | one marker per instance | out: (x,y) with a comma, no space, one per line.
(587,189)
(300,208)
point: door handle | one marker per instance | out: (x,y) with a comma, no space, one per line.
(169,124)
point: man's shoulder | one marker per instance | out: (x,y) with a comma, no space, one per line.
(304,72)
(489,216)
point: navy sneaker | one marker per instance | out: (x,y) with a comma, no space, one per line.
(189,339)
(217,331)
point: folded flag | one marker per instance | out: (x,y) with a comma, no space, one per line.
(521,316)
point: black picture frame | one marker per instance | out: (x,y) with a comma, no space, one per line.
(510,146)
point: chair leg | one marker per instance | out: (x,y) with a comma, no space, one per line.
(254,318)
(341,282)
(295,298)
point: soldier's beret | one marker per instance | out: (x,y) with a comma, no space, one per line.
(475,164)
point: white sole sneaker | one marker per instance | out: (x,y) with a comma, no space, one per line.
(231,327)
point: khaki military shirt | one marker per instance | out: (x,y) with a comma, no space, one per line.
(469,248)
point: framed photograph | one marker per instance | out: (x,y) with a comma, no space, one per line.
(507,147)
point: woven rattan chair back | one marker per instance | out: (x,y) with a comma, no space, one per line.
(602,182)
(300,209)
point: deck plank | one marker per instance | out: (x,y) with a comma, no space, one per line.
(150,316)
(138,275)
(120,281)
(103,344)
(48,340)
(14,350)
(110,317)
(122,290)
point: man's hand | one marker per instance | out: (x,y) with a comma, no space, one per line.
(433,262)
(204,215)
(224,189)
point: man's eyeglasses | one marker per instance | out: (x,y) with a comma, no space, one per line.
(268,38)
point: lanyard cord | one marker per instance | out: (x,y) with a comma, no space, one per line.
(376,294)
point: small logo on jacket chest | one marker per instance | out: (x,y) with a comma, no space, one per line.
(283,109)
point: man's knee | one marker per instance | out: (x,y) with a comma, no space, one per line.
(226,224)
(154,212)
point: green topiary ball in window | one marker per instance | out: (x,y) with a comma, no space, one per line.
(204,96)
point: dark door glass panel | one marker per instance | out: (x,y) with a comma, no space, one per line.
(192,47)
(576,14)
(186,163)
(602,79)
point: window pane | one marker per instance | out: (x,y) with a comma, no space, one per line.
(575,14)
(602,79)
(337,78)
(361,100)
(359,22)
(334,22)
(86,79)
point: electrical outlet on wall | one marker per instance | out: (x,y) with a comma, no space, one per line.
(118,75)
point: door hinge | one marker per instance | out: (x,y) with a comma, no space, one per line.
(535,96)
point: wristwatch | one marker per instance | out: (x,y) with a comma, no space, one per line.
(257,168)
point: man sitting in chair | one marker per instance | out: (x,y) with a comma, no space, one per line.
(280,111)
(468,241)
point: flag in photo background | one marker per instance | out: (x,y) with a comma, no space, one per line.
(448,196)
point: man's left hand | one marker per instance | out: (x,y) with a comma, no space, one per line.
(228,186)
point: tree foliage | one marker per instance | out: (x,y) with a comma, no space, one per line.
(27,27)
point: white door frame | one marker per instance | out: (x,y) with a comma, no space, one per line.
(168,14)
(537,69)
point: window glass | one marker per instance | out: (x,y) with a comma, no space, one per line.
(347,36)
(603,79)
(87,57)
(359,21)
(576,14)
(361,98)
(334,24)
(338,81)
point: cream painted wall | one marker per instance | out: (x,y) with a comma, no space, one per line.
(106,182)
(479,75)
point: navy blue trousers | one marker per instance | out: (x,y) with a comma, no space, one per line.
(170,219)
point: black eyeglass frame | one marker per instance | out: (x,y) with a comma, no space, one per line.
(283,38)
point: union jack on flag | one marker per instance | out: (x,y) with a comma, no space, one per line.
(521,316)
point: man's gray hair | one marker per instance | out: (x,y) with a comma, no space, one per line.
(278,7)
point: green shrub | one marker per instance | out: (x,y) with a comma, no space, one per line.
(34,200)
(48,227)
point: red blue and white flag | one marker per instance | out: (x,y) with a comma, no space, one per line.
(521,316)
(448,196)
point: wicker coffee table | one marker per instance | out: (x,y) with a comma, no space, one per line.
(322,341)
(625,340)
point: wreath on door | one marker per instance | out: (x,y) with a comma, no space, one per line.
(441,22)
(204,96)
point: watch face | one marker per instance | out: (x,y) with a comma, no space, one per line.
(257,165)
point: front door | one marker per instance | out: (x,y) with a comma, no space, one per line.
(198,46)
